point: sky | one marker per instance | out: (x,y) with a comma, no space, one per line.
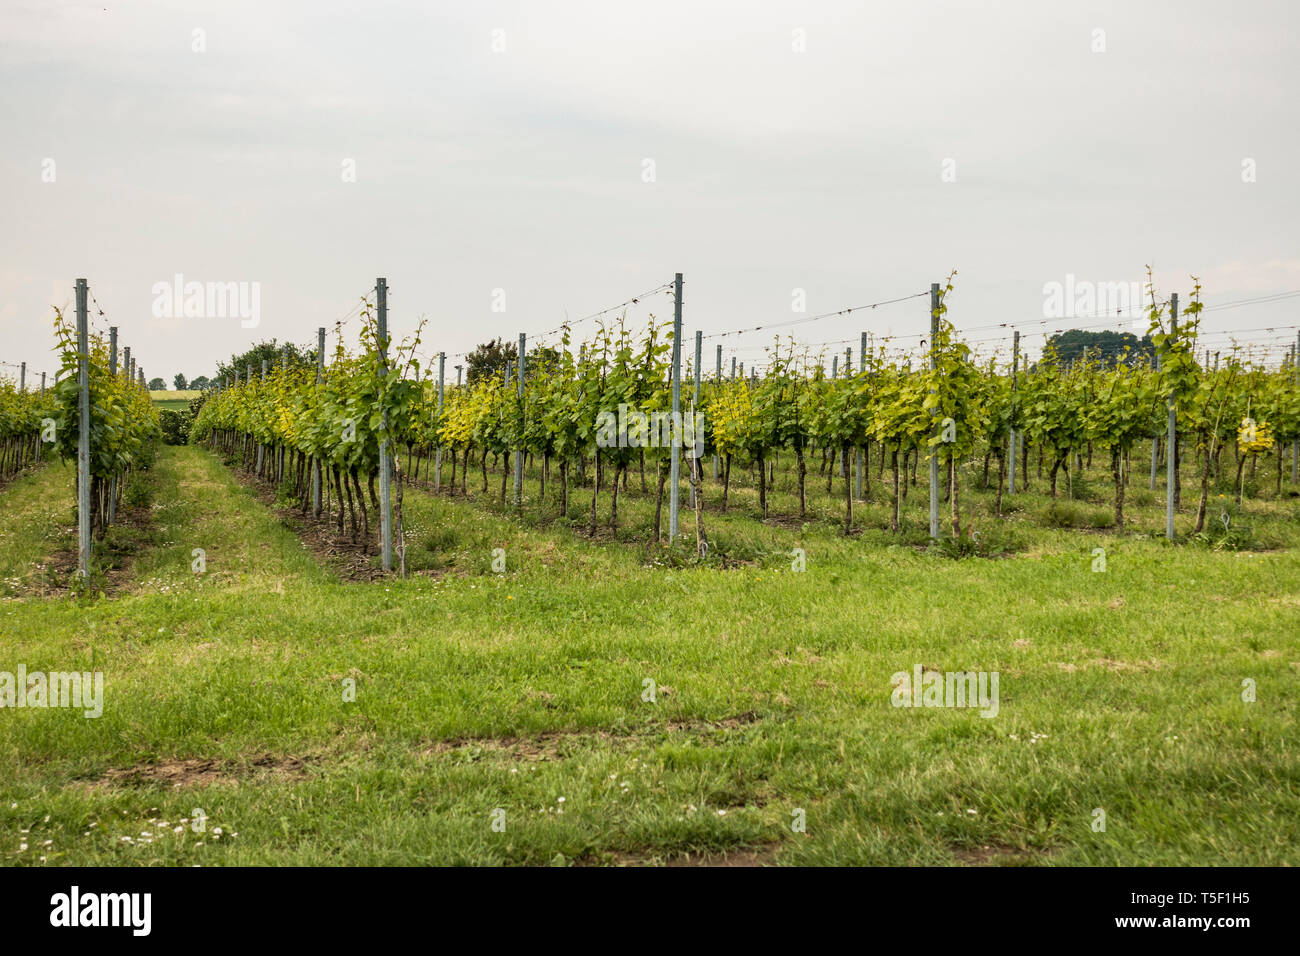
(506,166)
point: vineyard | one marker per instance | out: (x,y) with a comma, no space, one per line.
(584,416)
(97,414)
(21,414)
(707,435)
(601,604)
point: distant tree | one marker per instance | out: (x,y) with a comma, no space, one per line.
(201,383)
(157,385)
(489,359)
(179,382)
(543,359)
(1108,347)
(272,351)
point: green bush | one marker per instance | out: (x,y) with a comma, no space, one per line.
(1227,528)
(993,540)
(1063,513)
(175,426)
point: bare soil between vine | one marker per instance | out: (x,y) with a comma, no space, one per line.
(197,773)
(133,530)
(557,744)
(351,560)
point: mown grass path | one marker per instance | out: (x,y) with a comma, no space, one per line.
(523,692)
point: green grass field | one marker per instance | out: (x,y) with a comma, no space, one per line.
(517,698)
(176,401)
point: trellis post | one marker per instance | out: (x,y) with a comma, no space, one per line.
(862,367)
(112,370)
(719,379)
(1171,450)
(519,452)
(437,455)
(934,454)
(1295,376)
(1011,438)
(675,456)
(385,466)
(316,469)
(83,435)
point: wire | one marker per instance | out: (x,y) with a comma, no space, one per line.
(355,310)
(540,337)
(1258,300)
(814,318)
(595,315)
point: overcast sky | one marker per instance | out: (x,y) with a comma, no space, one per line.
(1013,142)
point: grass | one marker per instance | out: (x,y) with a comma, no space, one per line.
(170,395)
(173,400)
(522,691)
(37,507)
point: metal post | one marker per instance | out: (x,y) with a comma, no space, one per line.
(1171,452)
(112,370)
(316,466)
(1295,377)
(519,452)
(934,456)
(385,466)
(458,368)
(862,367)
(22,377)
(260,447)
(675,459)
(83,435)
(1011,439)
(835,366)
(699,347)
(437,460)
(719,378)
(42,383)
(733,368)
(695,405)
(1155,442)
